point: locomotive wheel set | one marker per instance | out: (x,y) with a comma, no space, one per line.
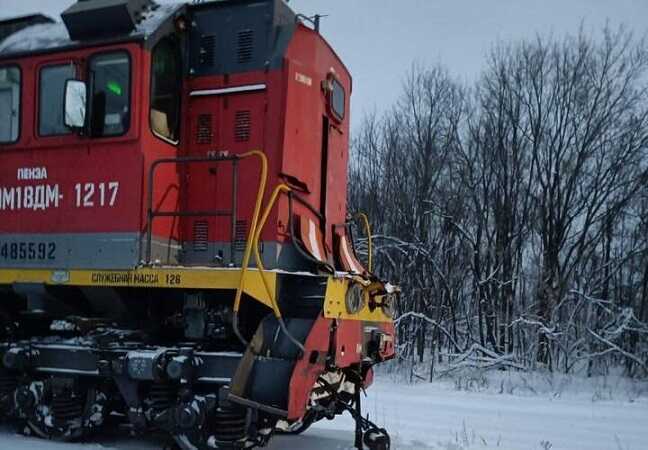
(176,254)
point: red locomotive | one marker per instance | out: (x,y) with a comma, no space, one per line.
(175,247)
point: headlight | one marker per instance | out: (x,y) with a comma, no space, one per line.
(355,299)
(389,305)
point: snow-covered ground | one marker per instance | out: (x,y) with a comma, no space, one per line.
(440,417)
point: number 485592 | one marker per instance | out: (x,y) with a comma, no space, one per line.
(27,251)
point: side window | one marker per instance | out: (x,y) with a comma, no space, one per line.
(9,104)
(51,92)
(335,97)
(166,74)
(338,99)
(110,94)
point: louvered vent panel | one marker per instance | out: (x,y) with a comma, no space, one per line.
(240,235)
(242,126)
(207,50)
(204,132)
(200,236)
(245,46)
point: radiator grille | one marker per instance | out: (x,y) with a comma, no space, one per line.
(204,131)
(200,236)
(242,126)
(240,235)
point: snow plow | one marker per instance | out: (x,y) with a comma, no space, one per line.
(176,254)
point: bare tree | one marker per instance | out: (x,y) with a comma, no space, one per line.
(514,213)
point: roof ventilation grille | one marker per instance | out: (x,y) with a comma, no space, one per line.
(245,46)
(207,49)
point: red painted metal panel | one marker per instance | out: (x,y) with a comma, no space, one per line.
(309,368)
(349,343)
(237,124)
(285,120)
(82,185)
(309,62)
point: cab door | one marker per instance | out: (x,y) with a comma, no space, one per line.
(223,121)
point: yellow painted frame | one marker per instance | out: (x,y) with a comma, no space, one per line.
(335,303)
(162,277)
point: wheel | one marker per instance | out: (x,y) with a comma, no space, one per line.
(8,385)
(60,409)
(202,425)
(377,439)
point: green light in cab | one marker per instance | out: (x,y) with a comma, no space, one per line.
(114,87)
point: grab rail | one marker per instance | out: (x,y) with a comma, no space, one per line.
(273,301)
(255,218)
(367,227)
(248,245)
(186,160)
(254,234)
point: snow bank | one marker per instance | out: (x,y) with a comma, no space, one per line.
(438,416)
(520,383)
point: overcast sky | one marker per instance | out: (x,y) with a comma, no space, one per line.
(379,39)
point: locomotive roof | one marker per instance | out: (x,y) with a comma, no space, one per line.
(43,37)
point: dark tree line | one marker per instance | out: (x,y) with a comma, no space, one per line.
(514,213)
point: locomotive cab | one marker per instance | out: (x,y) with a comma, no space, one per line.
(174,227)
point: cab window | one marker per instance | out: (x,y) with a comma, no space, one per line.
(338,99)
(9,104)
(335,97)
(165,85)
(51,93)
(110,94)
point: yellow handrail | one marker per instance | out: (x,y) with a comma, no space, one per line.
(275,194)
(365,219)
(253,243)
(253,226)
(273,301)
